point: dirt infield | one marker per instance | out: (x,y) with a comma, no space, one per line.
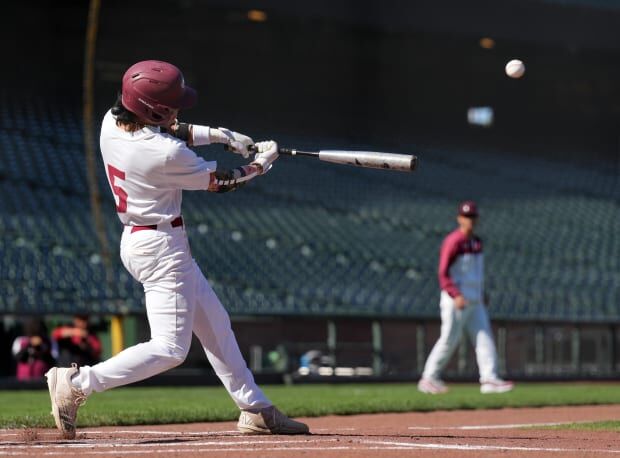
(484,433)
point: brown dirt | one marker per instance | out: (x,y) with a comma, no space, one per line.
(482,433)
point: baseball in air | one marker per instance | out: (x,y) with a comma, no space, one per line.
(515,68)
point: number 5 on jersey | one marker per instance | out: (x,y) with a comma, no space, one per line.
(113,174)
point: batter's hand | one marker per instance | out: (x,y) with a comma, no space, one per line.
(267,153)
(238,143)
(460,302)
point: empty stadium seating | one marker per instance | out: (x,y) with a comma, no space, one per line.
(322,239)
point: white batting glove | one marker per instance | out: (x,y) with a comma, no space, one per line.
(267,153)
(237,143)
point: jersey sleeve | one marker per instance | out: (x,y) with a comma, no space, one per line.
(184,169)
(447,255)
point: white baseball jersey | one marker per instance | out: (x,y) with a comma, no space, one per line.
(147,171)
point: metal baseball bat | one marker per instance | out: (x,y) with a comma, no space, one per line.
(367,159)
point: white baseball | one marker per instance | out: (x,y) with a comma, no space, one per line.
(515,68)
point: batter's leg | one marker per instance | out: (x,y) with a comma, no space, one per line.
(170,319)
(451,331)
(213,329)
(481,336)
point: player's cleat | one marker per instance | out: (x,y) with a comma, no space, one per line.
(269,421)
(495,386)
(65,397)
(432,386)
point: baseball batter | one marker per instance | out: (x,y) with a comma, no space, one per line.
(462,304)
(149,163)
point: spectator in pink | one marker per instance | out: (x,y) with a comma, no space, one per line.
(32,351)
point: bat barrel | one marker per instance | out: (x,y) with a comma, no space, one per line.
(368,159)
(371,159)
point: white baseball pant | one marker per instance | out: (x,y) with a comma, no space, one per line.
(475,320)
(179,300)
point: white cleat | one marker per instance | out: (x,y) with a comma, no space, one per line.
(432,386)
(66,398)
(269,421)
(496,386)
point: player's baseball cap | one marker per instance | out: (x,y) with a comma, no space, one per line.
(152,89)
(468,208)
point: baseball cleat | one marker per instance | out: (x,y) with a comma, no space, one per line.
(432,386)
(269,421)
(495,386)
(66,398)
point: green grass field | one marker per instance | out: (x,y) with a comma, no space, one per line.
(134,406)
(592,426)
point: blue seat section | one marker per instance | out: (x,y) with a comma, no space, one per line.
(327,239)
(311,238)
(50,255)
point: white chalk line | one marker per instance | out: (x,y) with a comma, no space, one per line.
(506,426)
(316,430)
(318,444)
(363,445)
(166,433)
(492,447)
(235,432)
(136,432)
(241,445)
(208,450)
(116,444)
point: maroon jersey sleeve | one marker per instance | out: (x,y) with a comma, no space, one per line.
(447,255)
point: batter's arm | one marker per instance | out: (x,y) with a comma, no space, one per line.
(230,180)
(196,135)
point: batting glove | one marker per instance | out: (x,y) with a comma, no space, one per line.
(266,154)
(237,143)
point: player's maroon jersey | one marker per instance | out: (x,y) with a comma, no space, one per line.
(461,266)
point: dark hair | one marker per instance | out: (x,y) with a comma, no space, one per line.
(124,116)
(34,326)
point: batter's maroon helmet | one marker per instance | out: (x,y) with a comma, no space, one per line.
(152,89)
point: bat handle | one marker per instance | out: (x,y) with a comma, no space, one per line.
(285,151)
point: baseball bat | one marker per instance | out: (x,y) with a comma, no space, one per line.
(367,159)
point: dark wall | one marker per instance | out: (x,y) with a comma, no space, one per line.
(43,50)
(401,85)
(383,73)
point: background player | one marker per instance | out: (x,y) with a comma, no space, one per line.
(147,170)
(462,304)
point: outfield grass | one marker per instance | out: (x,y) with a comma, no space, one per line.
(591,426)
(134,406)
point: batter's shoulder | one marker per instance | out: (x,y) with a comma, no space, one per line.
(172,147)
(171,142)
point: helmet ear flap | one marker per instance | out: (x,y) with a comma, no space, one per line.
(162,113)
